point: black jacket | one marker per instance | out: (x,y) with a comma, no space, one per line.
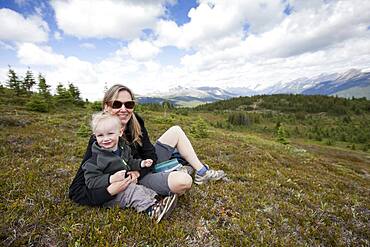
(78,191)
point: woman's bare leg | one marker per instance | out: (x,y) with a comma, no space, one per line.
(179,182)
(175,137)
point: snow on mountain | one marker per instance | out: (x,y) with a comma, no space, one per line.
(198,92)
(180,91)
(179,94)
(325,77)
(347,83)
(344,82)
(217,92)
(349,75)
(324,83)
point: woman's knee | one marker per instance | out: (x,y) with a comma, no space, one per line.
(177,129)
(179,181)
(172,136)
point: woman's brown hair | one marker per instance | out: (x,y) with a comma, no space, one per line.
(110,95)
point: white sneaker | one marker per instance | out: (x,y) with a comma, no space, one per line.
(210,175)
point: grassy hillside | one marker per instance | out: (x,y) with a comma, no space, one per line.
(301,194)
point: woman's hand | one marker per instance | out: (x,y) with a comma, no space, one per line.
(119,186)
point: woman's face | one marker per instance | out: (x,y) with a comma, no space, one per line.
(123,113)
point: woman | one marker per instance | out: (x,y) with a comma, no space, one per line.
(119,100)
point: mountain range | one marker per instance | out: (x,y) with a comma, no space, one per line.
(352,83)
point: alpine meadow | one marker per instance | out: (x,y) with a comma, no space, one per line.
(298,172)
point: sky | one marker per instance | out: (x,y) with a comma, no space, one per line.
(156,45)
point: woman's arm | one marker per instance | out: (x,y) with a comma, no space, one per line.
(133,163)
(147,150)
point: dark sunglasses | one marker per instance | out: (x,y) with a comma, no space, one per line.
(118,104)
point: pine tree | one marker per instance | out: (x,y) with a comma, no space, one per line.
(74,92)
(281,135)
(29,81)
(63,96)
(41,101)
(13,81)
(62,91)
(44,89)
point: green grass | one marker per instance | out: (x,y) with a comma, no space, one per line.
(301,194)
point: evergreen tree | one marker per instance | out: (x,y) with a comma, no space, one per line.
(74,92)
(41,101)
(29,81)
(44,89)
(13,81)
(63,97)
(281,135)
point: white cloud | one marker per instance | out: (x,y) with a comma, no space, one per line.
(214,20)
(88,45)
(353,53)
(304,31)
(106,18)
(31,54)
(58,68)
(310,30)
(3,75)
(219,27)
(15,27)
(146,76)
(90,78)
(142,50)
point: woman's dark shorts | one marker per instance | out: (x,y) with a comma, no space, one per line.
(159,181)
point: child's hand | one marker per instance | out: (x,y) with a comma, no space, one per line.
(118,176)
(120,186)
(146,163)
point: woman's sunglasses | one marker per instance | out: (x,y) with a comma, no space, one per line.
(118,104)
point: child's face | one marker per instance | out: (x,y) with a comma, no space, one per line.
(107,134)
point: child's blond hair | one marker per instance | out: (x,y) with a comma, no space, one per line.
(98,117)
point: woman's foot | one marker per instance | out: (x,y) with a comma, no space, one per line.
(209,175)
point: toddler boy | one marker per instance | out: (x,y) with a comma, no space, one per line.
(110,162)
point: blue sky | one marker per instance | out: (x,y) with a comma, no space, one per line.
(156,45)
